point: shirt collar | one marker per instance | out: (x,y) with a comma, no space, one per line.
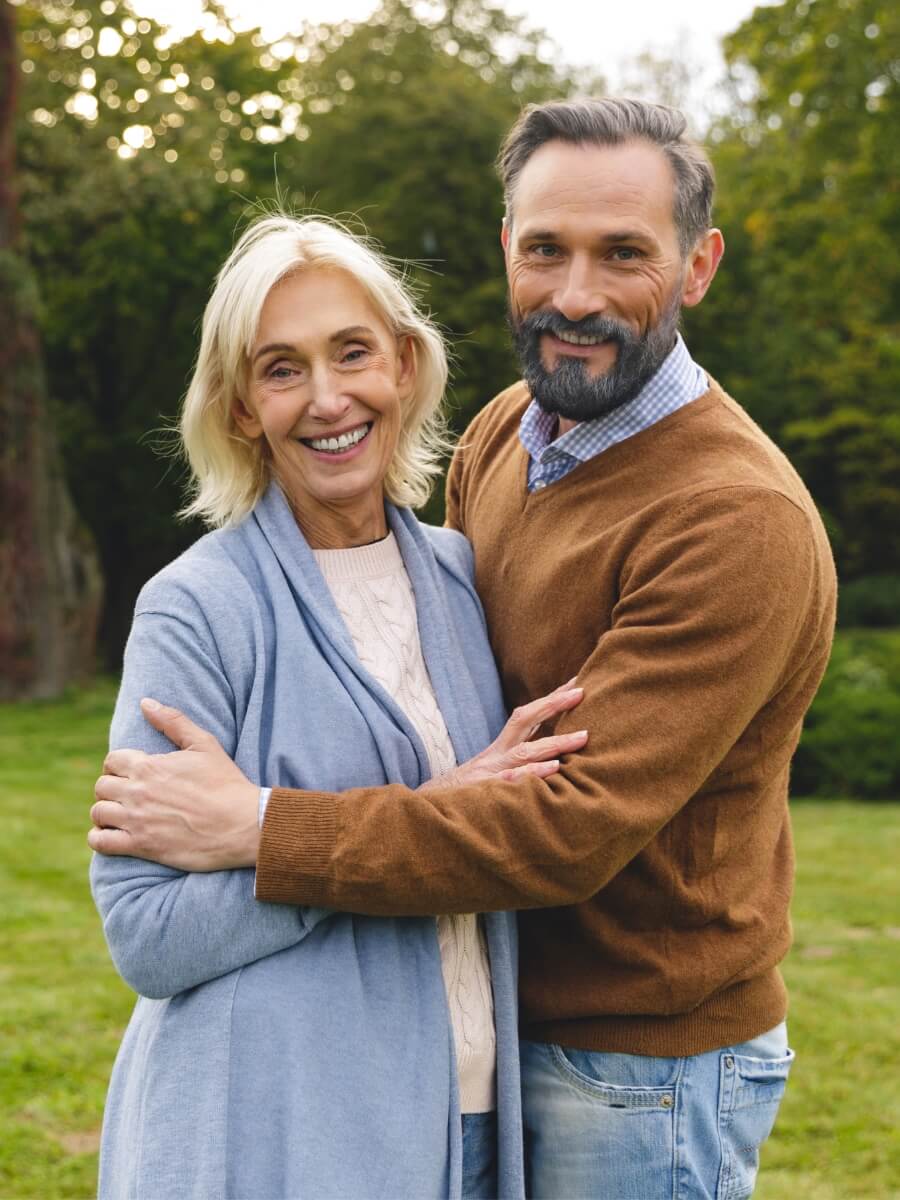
(677,381)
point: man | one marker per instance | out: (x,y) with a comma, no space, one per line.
(631,526)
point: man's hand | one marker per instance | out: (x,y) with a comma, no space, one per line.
(192,809)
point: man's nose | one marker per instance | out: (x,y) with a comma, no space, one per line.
(580,293)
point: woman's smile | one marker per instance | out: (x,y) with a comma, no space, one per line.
(328,381)
(341,445)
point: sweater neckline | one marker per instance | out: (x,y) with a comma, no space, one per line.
(361,562)
(619,451)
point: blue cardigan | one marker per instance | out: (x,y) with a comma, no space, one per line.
(275,1051)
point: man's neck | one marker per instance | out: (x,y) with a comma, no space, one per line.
(564,426)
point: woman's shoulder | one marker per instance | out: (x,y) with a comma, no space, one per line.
(207,577)
(452,550)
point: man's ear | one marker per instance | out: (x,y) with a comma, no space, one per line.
(504,236)
(407,366)
(703,262)
(247,421)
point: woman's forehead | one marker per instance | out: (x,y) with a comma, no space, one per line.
(315,303)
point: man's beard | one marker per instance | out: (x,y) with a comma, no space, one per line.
(569,389)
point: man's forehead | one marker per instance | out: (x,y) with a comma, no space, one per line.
(564,181)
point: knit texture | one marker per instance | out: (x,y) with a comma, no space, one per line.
(373,594)
(685,577)
(284,1051)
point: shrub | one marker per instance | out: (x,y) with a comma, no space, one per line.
(872,602)
(851,740)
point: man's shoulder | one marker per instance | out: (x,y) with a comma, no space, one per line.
(503,412)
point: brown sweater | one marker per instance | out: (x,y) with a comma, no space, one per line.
(685,576)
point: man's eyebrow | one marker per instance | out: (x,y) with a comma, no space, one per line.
(615,236)
(289,347)
(629,235)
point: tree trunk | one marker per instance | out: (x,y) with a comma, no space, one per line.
(50,581)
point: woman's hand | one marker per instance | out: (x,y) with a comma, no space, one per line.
(513,754)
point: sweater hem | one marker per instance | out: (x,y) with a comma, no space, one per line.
(734,1015)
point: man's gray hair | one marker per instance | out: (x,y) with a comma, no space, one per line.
(613,122)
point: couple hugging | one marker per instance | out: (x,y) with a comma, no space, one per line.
(388,941)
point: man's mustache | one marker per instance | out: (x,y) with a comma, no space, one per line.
(551,321)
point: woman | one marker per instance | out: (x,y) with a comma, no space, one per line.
(327,640)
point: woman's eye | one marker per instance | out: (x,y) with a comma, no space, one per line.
(355,355)
(281,372)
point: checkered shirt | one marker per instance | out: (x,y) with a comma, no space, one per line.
(678,381)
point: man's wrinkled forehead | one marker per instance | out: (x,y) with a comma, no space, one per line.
(630,185)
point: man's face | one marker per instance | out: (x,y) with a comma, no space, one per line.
(596,274)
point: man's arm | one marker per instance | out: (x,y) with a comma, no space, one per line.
(709,619)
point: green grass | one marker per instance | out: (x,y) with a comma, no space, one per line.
(63,1009)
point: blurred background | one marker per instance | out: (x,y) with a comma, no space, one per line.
(135,140)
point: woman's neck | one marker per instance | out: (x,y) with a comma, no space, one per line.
(339,527)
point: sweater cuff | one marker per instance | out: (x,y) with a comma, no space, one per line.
(296,846)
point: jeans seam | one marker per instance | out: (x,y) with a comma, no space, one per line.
(594,1091)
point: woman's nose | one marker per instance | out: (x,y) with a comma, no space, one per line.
(328,401)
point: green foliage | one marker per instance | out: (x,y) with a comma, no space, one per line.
(873,602)
(136,165)
(135,169)
(850,745)
(801,323)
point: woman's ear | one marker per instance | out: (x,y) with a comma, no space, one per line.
(246,420)
(407,366)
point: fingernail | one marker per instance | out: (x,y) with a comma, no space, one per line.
(152,705)
(574,692)
(579,733)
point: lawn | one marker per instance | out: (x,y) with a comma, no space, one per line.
(63,1009)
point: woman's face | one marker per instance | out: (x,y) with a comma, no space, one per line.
(326,385)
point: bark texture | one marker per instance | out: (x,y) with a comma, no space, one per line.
(50,581)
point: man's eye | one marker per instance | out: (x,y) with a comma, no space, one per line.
(625,254)
(544,250)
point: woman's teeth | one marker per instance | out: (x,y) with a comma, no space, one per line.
(335,445)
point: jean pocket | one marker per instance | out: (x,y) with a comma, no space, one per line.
(621,1080)
(750,1091)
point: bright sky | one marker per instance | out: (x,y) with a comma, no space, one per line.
(602,33)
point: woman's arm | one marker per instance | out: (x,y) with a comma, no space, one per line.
(168,930)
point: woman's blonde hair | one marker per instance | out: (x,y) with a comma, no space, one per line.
(230,471)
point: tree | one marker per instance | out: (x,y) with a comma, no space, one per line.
(49,576)
(138,166)
(802,320)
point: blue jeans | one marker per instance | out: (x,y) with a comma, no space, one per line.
(628,1127)
(479,1165)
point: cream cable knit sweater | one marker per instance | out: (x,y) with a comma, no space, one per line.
(374,596)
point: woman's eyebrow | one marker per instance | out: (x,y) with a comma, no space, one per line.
(340,336)
(270,346)
(351,331)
